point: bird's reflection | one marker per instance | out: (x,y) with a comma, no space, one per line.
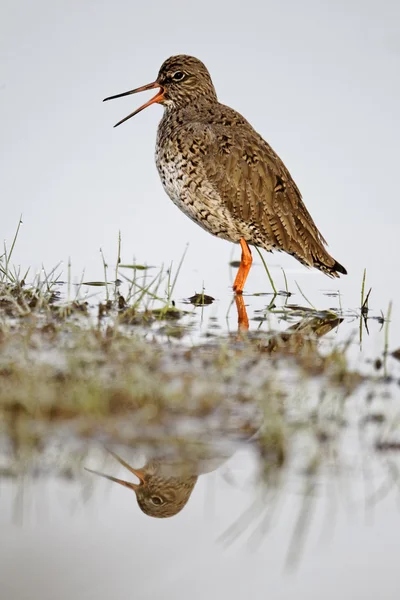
(317,323)
(165,484)
(164,487)
(243,319)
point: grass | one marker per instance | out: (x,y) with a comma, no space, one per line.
(267,271)
(386,348)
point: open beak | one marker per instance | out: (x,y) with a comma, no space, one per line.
(157,98)
(137,472)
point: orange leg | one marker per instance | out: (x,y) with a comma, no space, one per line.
(245,265)
(243,320)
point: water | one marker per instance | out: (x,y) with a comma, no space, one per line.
(71,541)
(297,533)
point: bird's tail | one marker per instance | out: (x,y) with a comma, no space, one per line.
(320,259)
(333,270)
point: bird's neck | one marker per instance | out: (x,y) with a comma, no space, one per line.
(186,113)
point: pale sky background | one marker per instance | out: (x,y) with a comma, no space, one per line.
(318,79)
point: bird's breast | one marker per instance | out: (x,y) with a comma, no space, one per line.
(171,169)
(184,179)
(178,167)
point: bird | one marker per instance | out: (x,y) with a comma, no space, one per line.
(223,175)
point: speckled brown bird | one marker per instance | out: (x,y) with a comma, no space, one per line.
(221,173)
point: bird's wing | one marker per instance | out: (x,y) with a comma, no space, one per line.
(257,188)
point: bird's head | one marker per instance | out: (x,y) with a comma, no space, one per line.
(156,495)
(181,81)
(164,497)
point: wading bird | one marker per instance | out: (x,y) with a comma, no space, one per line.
(221,173)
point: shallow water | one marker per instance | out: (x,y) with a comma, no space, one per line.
(301,536)
(72,540)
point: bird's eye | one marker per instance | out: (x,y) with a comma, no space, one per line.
(178,76)
(157,500)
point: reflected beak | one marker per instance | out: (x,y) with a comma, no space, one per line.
(139,473)
(157,98)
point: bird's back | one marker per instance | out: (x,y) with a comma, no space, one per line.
(227,178)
